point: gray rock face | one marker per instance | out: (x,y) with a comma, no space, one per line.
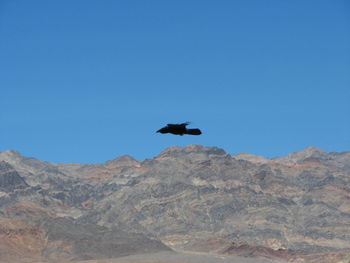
(10,179)
(89,241)
(298,203)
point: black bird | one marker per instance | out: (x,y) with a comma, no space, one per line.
(179,129)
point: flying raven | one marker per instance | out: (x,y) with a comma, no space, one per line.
(179,129)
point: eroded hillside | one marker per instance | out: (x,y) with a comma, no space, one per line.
(186,198)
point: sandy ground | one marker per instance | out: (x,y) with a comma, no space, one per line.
(171,257)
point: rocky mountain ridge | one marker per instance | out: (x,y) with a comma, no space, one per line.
(297,205)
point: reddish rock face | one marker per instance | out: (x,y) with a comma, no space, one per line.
(20,241)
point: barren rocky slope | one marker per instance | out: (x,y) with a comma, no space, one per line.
(190,198)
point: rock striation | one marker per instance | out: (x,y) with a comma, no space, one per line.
(188,198)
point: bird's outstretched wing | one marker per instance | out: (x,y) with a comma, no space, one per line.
(193,131)
(177,125)
(164,130)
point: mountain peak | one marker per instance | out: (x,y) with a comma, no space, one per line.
(124,160)
(250,158)
(10,156)
(313,149)
(309,152)
(192,149)
(11,153)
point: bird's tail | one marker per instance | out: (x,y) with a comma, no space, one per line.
(193,131)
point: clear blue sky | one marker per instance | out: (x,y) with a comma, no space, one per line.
(87,81)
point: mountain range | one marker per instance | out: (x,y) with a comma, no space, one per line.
(192,199)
